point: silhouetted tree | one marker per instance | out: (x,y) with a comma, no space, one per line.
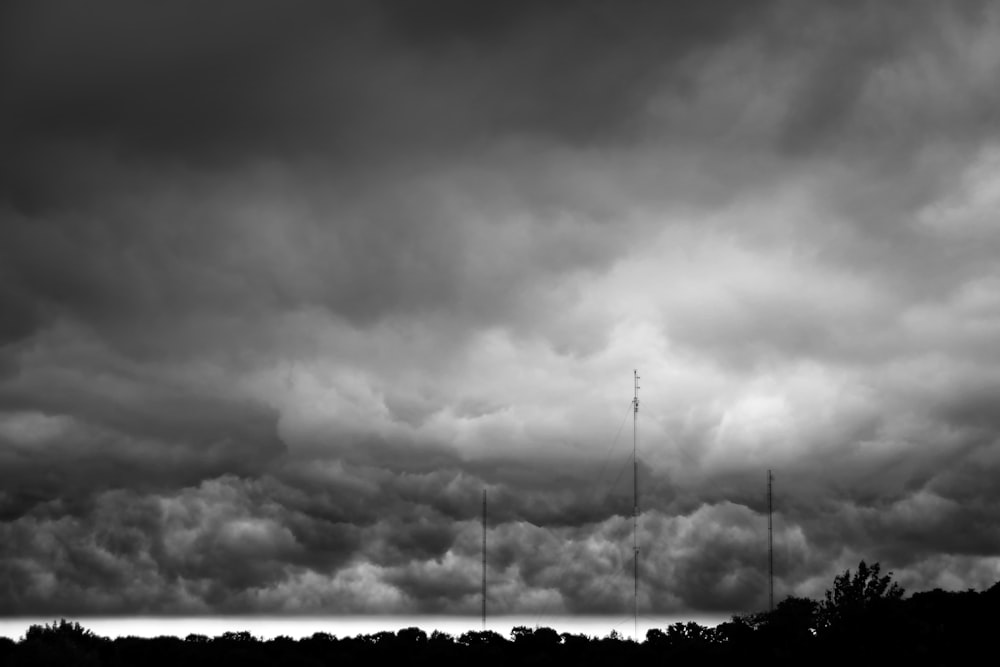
(682,640)
(382,638)
(738,637)
(411,636)
(440,637)
(688,633)
(788,632)
(656,637)
(794,619)
(62,629)
(61,643)
(538,639)
(855,596)
(862,619)
(861,616)
(484,638)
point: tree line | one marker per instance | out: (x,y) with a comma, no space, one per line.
(863,619)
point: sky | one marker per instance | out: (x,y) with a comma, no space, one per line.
(284,286)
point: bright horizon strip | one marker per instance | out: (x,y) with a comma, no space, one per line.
(269,627)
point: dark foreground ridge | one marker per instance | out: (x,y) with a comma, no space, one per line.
(864,619)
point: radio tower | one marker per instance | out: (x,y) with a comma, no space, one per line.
(635,507)
(484,560)
(770,544)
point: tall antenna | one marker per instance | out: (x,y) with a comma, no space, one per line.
(770,544)
(635,506)
(484,560)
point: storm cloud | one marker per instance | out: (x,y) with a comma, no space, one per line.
(285,286)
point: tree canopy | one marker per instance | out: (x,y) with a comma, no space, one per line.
(863,617)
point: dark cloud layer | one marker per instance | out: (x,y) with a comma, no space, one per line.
(284,286)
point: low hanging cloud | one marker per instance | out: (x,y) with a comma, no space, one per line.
(285,286)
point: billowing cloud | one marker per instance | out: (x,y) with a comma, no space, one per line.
(285,286)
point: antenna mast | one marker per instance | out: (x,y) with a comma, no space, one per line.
(484,560)
(635,506)
(770,544)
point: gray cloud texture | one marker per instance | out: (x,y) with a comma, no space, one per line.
(284,286)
